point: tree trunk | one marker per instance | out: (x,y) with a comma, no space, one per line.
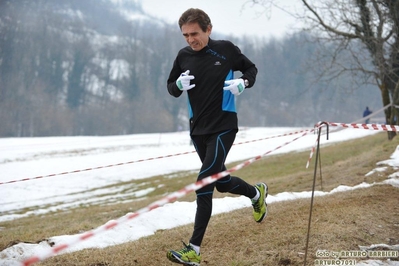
(395,106)
(386,101)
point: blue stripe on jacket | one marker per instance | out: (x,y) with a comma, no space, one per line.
(229,104)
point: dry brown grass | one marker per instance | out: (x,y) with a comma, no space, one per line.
(341,221)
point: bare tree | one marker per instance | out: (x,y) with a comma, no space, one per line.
(374,24)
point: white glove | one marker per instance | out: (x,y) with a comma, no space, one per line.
(183,82)
(236,86)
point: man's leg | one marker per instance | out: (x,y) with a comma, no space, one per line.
(212,150)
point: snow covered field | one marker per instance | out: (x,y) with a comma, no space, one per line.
(102,161)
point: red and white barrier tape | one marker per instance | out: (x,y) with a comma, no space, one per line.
(167,199)
(380,127)
(138,161)
(94,168)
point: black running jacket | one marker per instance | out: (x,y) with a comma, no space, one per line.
(211,109)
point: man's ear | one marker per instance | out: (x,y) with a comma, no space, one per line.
(209,30)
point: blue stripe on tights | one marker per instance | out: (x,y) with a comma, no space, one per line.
(216,153)
(204,193)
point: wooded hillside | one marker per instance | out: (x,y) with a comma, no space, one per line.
(83,68)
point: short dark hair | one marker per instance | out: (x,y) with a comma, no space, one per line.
(195,15)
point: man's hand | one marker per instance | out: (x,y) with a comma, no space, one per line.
(183,82)
(236,86)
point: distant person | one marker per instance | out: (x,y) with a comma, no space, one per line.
(205,69)
(367,112)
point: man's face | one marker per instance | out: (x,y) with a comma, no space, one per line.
(195,37)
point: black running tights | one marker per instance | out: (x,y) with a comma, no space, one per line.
(212,150)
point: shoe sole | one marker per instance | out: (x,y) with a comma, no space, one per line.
(186,263)
(174,259)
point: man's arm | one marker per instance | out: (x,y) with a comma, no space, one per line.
(250,75)
(171,83)
(247,68)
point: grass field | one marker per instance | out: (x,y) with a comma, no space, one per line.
(341,221)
